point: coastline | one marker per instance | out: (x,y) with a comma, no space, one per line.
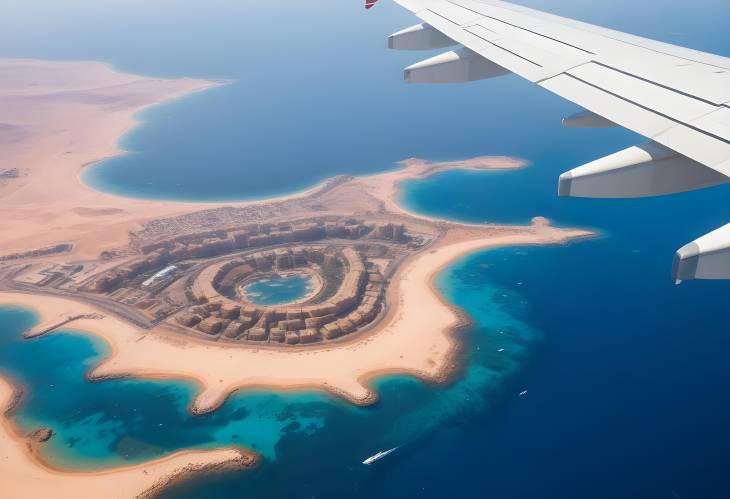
(407,341)
(93,221)
(418,334)
(27,475)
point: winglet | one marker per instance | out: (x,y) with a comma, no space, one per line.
(369,3)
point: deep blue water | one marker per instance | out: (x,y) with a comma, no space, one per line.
(279,289)
(107,423)
(315,91)
(627,373)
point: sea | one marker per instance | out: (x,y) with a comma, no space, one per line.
(623,375)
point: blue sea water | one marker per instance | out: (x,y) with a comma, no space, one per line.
(314,91)
(102,424)
(626,373)
(279,289)
(98,425)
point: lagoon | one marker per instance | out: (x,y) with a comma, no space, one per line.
(279,289)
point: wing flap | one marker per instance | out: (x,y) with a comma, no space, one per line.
(628,84)
(453,31)
(704,76)
(700,81)
(612,107)
(661,100)
(691,142)
(697,145)
(532,38)
(455,13)
(678,97)
(716,123)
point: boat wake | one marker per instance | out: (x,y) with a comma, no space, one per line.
(380,455)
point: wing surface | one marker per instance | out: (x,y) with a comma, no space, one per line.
(678,98)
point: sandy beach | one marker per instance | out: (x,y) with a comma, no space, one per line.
(60,116)
(56,118)
(25,475)
(416,337)
(386,186)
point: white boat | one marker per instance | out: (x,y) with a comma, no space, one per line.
(523,393)
(379,455)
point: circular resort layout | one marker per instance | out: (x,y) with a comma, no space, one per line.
(293,282)
(288,295)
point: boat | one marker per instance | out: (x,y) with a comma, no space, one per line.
(379,455)
(523,393)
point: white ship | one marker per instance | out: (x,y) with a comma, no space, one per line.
(379,455)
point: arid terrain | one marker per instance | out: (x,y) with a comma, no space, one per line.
(157,280)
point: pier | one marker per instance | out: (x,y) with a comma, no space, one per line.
(47,327)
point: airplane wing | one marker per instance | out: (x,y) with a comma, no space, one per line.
(678,98)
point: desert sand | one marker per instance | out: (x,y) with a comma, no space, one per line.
(25,475)
(57,118)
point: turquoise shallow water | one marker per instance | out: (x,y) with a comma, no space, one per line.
(279,289)
(627,374)
(111,422)
(104,424)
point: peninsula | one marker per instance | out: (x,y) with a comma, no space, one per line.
(163,282)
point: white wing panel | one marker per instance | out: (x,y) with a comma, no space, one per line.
(678,97)
(702,81)
(560,33)
(706,76)
(657,94)
(697,145)
(483,32)
(690,142)
(495,7)
(491,49)
(716,123)
(551,64)
(659,99)
(455,13)
(613,108)
(453,31)
(533,39)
